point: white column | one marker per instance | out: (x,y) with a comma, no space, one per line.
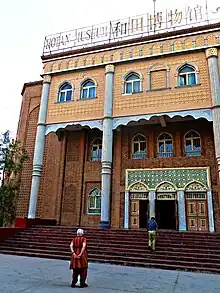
(152,197)
(181,210)
(212,57)
(107,144)
(126,211)
(210,211)
(39,148)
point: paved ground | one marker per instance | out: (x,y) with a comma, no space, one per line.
(34,275)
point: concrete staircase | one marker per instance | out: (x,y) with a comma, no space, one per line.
(193,251)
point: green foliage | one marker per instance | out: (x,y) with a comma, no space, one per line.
(13,159)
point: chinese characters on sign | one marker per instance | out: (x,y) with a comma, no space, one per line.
(131,27)
(138,195)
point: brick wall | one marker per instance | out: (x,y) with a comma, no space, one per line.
(76,196)
(27,127)
(64,194)
(177,130)
(29,142)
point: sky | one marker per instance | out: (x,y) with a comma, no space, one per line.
(25,23)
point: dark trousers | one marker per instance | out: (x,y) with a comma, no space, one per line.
(83,275)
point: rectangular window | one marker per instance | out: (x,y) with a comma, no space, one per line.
(136,85)
(98,202)
(169,147)
(62,97)
(84,94)
(192,79)
(161,147)
(193,148)
(92,202)
(188,146)
(92,92)
(182,80)
(128,88)
(136,147)
(143,146)
(196,144)
(68,95)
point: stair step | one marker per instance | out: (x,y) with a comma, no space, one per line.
(111,257)
(134,244)
(193,251)
(112,248)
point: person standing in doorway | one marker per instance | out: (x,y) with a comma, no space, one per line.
(79,261)
(152,231)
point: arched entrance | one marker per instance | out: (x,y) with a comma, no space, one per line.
(138,193)
(166,206)
(196,207)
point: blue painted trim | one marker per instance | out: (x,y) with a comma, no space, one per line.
(201,113)
(196,114)
(92,124)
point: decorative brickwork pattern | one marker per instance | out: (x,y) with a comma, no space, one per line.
(179,177)
(158,79)
(26,176)
(77,109)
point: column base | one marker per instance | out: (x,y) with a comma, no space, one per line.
(104,224)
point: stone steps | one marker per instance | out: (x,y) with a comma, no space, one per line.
(94,245)
(146,254)
(175,250)
(93,241)
(108,256)
(121,235)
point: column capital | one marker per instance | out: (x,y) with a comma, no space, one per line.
(110,68)
(211,52)
(47,78)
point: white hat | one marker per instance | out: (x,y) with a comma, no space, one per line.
(79,232)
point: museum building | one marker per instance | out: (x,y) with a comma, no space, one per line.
(120,131)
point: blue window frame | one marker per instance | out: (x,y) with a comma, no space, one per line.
(88,90)
(139,147)
(192,144)
(164,146)
(187,76)
(65,93)
(96,150)
(132,84)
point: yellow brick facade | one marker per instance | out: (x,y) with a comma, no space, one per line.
(145,102)
(77,109)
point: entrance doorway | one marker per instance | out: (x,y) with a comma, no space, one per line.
(166,214)
(143,213)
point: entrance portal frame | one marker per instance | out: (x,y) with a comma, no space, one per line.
(168,191)
(136,191)
(180,178)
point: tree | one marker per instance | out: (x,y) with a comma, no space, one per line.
(13,159)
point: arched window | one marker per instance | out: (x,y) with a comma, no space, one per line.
(192,143)
(65,93)
(96,150)
(187,76)
(88,90)
(164,145)
(132,84)
(94,202)
(139,147)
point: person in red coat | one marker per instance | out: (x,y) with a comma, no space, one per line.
(79,261)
